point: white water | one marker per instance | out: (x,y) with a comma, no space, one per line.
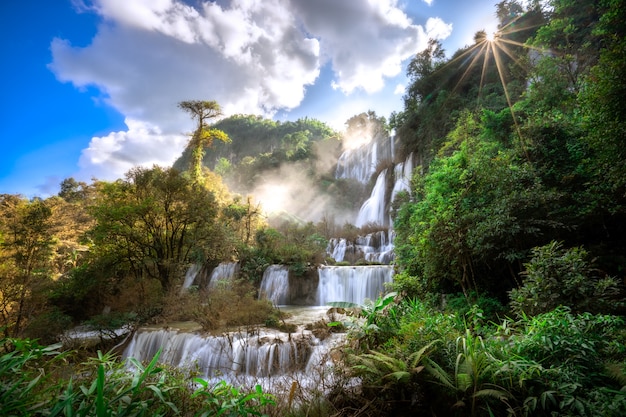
(224,272)
(275,284)
(337,248)
(264,356)
(360,163)
(374,247)
(190,276)
(377,247)
(403,172)
(352,284)
(374,209)
(235,353)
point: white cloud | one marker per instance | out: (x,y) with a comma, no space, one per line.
(251,56)
(110,156)
(366,41)
(436,28)
(399,89)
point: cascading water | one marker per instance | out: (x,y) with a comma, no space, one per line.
(262,355)
(275,284)
(402,176)
(266,354)
(373,211)
(376,247)
(353,284)
(190,276)
(223,273)
(361,163)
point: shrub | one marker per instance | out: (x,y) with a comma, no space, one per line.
(556,276)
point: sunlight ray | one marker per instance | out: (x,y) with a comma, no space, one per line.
(523,45)
(484,69)
(499,65)
(476,57)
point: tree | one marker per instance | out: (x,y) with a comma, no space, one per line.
(156,222)
(203,136)
(26,247)
(422,70)
(72,190)
(476,214)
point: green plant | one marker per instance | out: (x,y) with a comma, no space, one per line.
(559,338)
(373,316)
(222,399)
(556,276)
(24,376)
(118,392)
(473,375)
(388,370)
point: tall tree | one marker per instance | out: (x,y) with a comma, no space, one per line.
(203,136)
(156,222)
(26,247)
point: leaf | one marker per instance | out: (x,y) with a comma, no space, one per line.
(499,394)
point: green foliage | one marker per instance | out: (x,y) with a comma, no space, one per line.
(224,399)
(556,276)
(155,221)
(391,380)
(26,253)
(550,364)
(473,378)
(560,338)
(257,145)
(603,110)
(23,376)
(116,392)
(30,385)
(295,245)
(374,321)
(491,308)
(48,325)
(475,213)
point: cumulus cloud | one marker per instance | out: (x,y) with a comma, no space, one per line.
(366,42)
(251,56)
(142,144)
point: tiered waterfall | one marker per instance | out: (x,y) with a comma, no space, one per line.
(266,353)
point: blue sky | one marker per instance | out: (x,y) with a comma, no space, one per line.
(89,87)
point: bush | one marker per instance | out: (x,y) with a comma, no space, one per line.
(562,277)
(219,307)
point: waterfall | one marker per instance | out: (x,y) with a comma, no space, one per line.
(224,272)
(360,163)
(357,164)
(337,249)
(275,284)
(260,355)
(190,276)
(378,247)
(374,209)
(352,284)
(374,247)
(403,172)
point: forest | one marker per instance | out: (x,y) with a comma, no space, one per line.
(508,296)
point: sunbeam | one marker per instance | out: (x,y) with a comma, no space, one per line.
(494,54)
